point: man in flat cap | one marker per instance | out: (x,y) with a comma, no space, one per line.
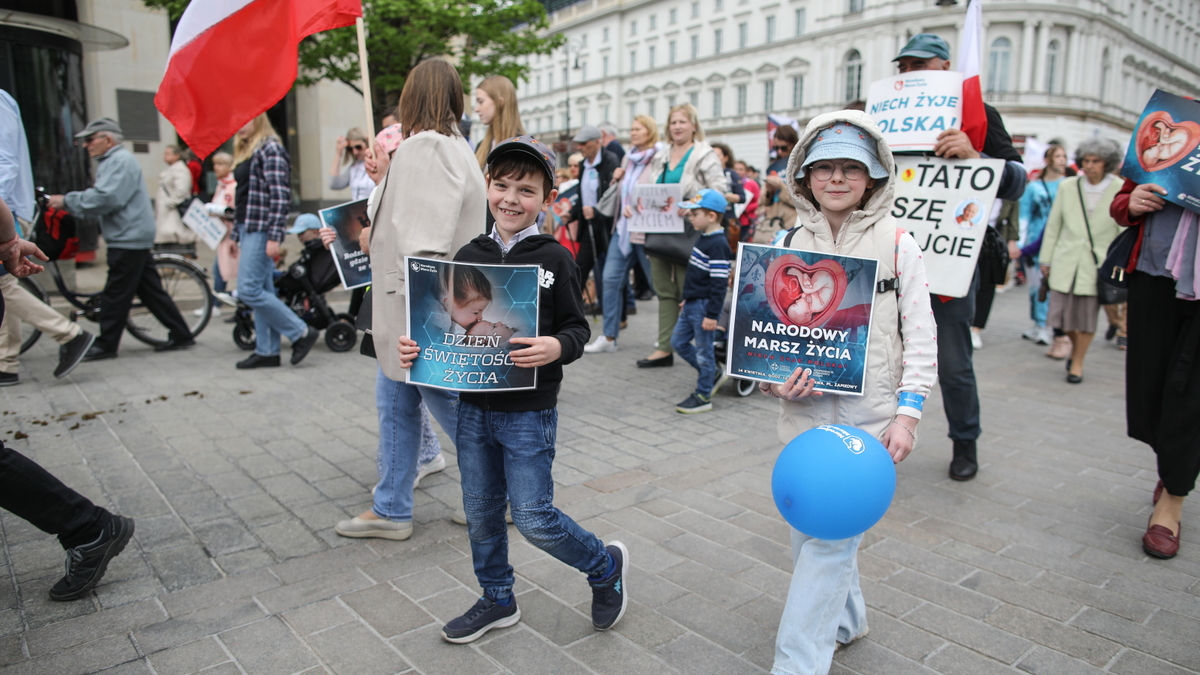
(595,174)
(120,201)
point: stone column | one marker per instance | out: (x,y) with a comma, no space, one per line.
(1038,82)
(1025,82)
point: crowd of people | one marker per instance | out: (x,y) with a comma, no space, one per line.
(830,188)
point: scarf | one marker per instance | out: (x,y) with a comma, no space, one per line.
(637,161)
(1182,262)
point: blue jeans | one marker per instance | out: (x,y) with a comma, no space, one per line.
(956,370)
(616,282)
(399,405)
(505,457)
(219,284)
(256,288)
(824,605)
(700,356)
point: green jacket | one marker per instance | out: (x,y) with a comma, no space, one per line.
(1065,242)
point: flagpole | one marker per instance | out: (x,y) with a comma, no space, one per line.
(366,82)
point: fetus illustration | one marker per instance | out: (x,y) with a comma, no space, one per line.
(804,294)
(1168,142)
(816,292)
(1162,142)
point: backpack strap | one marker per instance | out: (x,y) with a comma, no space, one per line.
(892,285)
(787,240)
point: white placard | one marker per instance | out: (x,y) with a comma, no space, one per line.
(210,230)
(656,208)
(912,109)
(945,204)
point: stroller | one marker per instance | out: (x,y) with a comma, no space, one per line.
(720,350)
(302,288)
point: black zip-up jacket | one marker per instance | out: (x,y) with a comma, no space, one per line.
(560,315)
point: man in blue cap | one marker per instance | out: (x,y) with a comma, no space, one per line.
(956,370)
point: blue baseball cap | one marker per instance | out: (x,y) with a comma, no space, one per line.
(843,140)
(305,221)
(707,199)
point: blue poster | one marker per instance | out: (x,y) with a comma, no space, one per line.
(348,220)
(1165,149)
(796,308)
(462,316)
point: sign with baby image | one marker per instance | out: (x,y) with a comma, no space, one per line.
(946,205)
(794,308)
(655,208)
(1165,149)
(348,220)
(462,316)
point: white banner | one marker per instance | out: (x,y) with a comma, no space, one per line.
(912,109)
(656,208)
(946,205)
(210,230)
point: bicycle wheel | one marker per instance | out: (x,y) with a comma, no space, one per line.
(185,283)
(29,334)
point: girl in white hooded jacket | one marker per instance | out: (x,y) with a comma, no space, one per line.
(840,176)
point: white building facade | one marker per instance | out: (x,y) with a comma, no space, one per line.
(1057,69)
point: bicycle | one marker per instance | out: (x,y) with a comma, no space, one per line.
(183,280)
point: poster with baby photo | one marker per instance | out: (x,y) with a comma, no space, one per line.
(794,308)
(655,208)
(348,220)
(462,316)
(1165,149)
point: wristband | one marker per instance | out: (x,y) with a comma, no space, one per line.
(909,399)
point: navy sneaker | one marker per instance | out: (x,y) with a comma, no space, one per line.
(694,404)
(484,616)
(86,564)
(609,594)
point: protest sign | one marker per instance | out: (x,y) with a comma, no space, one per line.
(656,208)
(462,315)
(560,210)
(1165,149)
(945,204)
(348,220)
(801,309)
(912,109)
(211,230)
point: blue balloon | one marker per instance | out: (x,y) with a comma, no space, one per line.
(833,482)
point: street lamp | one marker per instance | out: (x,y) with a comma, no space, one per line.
(572,47)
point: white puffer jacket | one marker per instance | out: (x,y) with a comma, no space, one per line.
(902,352)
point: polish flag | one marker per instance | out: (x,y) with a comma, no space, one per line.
(970,46)
(231,60)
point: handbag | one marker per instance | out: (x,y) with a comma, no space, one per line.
(607,204)
(1112,270)
(1108,292)
(673,247)
(993,259)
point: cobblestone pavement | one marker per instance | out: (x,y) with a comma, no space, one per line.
(237,478)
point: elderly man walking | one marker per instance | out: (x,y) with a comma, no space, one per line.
(120,201)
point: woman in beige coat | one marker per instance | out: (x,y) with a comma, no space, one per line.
(1076,239)
(430,203)
(174,187)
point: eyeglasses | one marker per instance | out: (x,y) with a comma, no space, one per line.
(356,147)
(850,170)
(780,148)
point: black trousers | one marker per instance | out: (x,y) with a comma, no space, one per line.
(1162,378)
(34,494)
(130,273)
(983,305)
(956,365)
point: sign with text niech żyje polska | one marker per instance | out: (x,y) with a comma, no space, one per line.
(912,109)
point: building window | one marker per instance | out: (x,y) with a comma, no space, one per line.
(856,6)
(801,19)
(604,66)
(650,62)
(537,84)
(797,91)
(999,57)
(717,35)
(1052,50)
(604,35)
(716,109)
(671,52)
(853,75)
(583,70)
(718,5)
(741,99)
(632,110)
(769,95)
(583,41)
(671,101)
(537,125)
(673,16)
(650,107)
(743,35)
(696,9)
(566,122)
(633,61)
(653,21)
(770,28)
(695,47)
(566,76)
(694,99)
(1105,74)
(633,28)
(550,81)
(583,117)
(604,112)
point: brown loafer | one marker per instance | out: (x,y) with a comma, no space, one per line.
(1158,490)
(1160,542)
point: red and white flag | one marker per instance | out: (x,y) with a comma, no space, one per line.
(970,46)
(231,60)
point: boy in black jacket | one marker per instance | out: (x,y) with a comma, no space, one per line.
(506,440)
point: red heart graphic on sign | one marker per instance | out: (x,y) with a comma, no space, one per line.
(801,294)
(1162,142)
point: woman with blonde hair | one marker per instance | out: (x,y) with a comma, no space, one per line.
(496,105)
(351,154)
(263,197)
(691,163)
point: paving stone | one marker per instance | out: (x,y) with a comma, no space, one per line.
(955,659)
(217,592)
(286,654)
(1048,604)
(69,633)
(696,656)
(521,651)
(609,653)
(963,630)
(352,649)
(1137,663)
(90,657)
(189,658)
(386,610)
(728,629)
(1042,661)
(186,628)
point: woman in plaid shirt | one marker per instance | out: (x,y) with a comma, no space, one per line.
(263,198)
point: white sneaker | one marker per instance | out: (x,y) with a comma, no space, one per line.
(438,463)
(227,298)
(601,345)
(976,340)
(1045,335)
(216,310)
(1032,333)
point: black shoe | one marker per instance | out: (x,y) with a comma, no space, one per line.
(96,353)
(300,347)
(660,362)
(173,345)
(9,379)
(86,564)
(256,361)
(482,617)
(631,310)
(72,353)
(609,595)
(645,294)
(1074,379)
(964,465)
(1110,333)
